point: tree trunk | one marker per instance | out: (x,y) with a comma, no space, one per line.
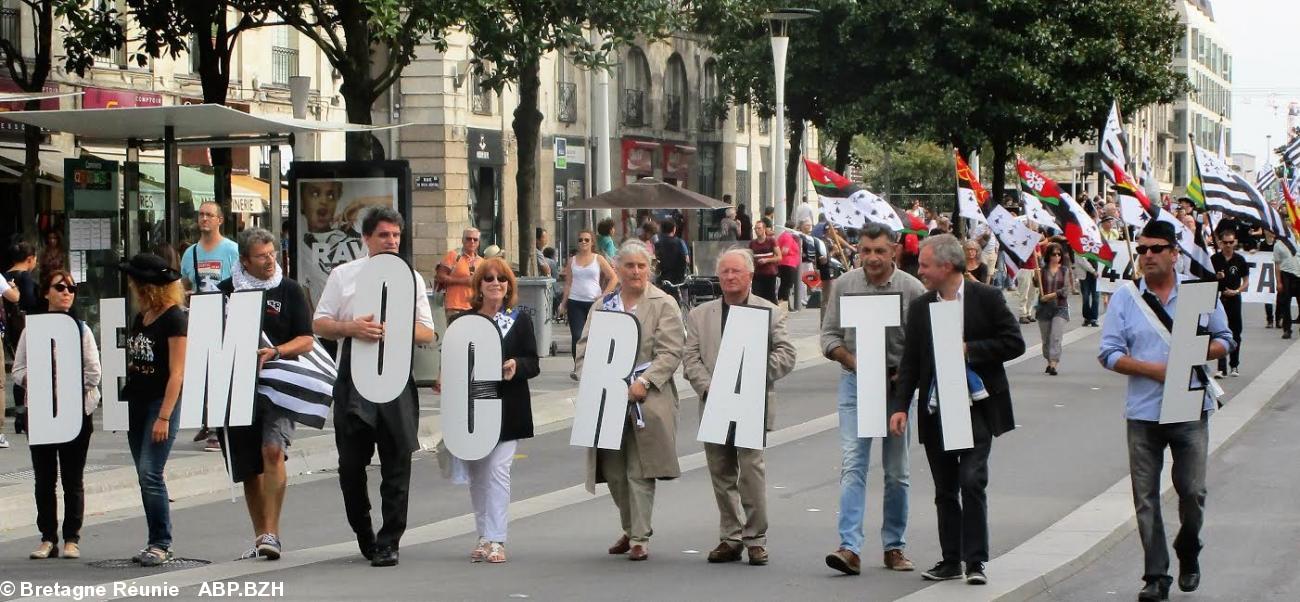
(527,126)
(999,166)
(843,153)
(31,167)
(214,77)
(792,168)
(360,145)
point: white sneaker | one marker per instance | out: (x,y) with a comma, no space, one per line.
(1234,373)
(4,443)
(1219,374)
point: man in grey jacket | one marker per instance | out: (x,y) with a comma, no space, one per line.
(878,248)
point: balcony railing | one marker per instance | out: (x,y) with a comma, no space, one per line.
(284,64)
(11,27)
(566,99)
(633,111)
(674,120)
(708,116)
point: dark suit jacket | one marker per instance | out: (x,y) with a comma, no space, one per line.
(516,401)
(992,337)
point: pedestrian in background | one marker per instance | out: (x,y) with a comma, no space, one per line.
(767,260)
(1053,310)
(495,297)
(1233,273)
(582,286)
(63,462)
(155,354)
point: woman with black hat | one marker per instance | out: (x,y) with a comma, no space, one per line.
(155,367)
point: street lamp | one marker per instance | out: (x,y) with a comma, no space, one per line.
(778,22)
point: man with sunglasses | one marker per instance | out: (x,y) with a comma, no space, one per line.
(1233,273)
(455,271)
(1133,344)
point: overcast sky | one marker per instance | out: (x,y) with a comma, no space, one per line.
(1262,36)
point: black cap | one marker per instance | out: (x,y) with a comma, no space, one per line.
(1160,229)
(150,269)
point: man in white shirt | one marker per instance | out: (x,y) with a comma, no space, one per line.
(361,425)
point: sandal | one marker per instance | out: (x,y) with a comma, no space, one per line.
(496,553)
(480,552)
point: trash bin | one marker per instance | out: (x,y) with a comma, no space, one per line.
(535,297)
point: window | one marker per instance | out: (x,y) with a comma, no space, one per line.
(284,55)
(566,90)
(117,56)
(675,94)
(634,77)
(709,104)
(11,27)
(481,98)
(742,118)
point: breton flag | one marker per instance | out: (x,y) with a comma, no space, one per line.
(1113,144)
(1291,152)
(1266,178)
(1230,194)
(1082,232)
(302,386)
(1013,236)
(848,205)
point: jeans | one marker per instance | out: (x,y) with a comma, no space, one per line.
(577,312)
(150,461)
(1091,298)
(853,477)
(48,463)
(1187,442)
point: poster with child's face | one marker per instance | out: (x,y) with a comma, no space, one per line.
(329,224)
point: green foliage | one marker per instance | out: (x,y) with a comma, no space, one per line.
(914,167)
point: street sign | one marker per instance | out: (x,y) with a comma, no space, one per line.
(561,153)
(428,182)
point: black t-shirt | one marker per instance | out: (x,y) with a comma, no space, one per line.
(1233,270)
(287,316)
(148,358)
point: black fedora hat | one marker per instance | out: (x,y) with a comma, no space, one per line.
(150,269)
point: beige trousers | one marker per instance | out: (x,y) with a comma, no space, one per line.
(739,482)
(634,497)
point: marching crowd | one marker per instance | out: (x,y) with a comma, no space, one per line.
(761,270)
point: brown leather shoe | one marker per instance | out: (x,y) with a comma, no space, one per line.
(639,552)
(757,555)
(621,546)
(844,561)
(725,552)
(896,561)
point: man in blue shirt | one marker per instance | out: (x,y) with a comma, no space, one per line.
(1132,345)
(206,263)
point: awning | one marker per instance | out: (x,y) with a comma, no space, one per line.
(197,188)
(647,193)
(29,96)
(188,121)
(263,189)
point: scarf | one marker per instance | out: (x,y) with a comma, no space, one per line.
(244,281)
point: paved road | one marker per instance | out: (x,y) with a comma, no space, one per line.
(1069,448)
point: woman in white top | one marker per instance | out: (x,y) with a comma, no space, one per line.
(68,459)
(582,278)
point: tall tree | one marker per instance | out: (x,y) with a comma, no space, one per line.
(31,72)
(510,39)
(1010,74)
(369,42)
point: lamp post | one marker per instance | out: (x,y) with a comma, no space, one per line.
(778,22)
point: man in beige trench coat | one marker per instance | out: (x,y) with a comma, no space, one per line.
(739,474)
(648,452)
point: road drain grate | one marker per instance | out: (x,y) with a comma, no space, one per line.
(127,563)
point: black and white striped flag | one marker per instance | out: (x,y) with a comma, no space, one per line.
(302,386)
(1230,194)
(1266,178)
(1291,152)
(1113,145)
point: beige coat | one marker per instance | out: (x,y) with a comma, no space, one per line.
(662,339)
(704,337)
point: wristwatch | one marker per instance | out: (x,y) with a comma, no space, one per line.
(277,354)
(645,383)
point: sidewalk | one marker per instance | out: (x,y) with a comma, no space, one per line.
(111,483)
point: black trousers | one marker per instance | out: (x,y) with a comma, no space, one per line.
(357,442)
(1232,307)
(1290,290)
(960,498)
(765,286)
(70,460)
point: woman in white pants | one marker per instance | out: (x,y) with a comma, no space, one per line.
(495,294)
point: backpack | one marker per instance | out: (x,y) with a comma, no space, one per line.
(809,248)
(672,261)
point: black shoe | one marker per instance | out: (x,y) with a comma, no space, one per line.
(384,556)
(1286,334)
(1154,591)
(1051,370)
(1189,576)
(943,571)
(20,421)
(367,546)
(975,574)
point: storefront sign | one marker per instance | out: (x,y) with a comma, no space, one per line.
(561,153)
(486,146)
(100,98)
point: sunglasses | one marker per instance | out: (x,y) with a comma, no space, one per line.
(1144,249)
(468,239)
(494,278)
(1227,242)
(584,240)
(65,288)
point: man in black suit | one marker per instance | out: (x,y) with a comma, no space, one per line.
(991,337)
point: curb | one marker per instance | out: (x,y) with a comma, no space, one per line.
(1072,543)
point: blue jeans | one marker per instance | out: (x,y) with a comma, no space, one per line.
(1091,298)
(853,477)
(150,461)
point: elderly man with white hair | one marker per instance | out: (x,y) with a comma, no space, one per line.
(738,474)
(649,447)
(814,256)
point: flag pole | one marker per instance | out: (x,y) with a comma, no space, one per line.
(1205,207)
(1128,239)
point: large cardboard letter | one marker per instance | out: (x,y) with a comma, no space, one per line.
(386,290)
(112,363)
(221,359)
(1183,402)
(738,388)
(613,341)
(471,350)
(950,372)
(871,315)
(55,405)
